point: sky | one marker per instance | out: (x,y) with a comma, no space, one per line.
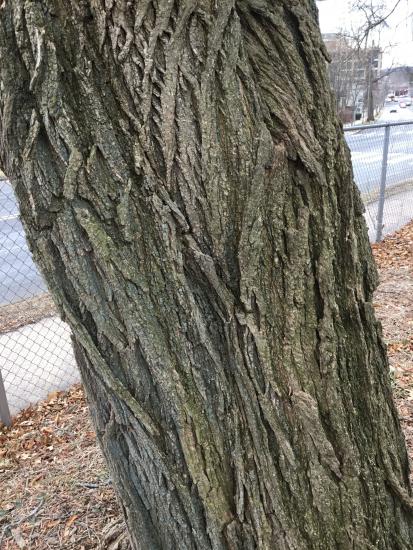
(396,40)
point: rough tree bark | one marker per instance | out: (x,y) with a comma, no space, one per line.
(187,192)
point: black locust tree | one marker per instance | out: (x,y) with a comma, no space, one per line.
(187,193)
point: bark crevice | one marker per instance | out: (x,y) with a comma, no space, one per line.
(205,241)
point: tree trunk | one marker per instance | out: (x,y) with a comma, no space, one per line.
(370,95)
(187,193)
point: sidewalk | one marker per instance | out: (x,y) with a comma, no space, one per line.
(398,210)
(35,360)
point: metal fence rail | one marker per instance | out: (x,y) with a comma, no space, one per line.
(35,351)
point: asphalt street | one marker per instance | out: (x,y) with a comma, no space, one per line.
(19,278)
(367,150)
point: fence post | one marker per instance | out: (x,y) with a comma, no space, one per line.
(5,416)
(383,183)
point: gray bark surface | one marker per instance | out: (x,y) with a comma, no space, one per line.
(188,195)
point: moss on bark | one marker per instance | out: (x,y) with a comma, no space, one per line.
(188,195)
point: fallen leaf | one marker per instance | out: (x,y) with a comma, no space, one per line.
(52,523)
(19,540)
(53,395)
(71,520)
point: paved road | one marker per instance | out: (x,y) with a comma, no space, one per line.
(19,278)
(367,151)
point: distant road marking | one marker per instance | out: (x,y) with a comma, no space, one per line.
(8,218)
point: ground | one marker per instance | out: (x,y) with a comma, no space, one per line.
(14,316)
(56,492)
(394,307)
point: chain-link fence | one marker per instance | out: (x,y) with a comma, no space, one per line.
(382,156)
(35,352)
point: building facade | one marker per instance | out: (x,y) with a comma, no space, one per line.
(354,76)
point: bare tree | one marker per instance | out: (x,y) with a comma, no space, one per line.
(347,71)
(355,65)
(375,14)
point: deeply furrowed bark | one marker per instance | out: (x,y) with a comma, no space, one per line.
(187,193)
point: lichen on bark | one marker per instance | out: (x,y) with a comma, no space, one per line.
(187,193)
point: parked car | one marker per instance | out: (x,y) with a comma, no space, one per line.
(402,105)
